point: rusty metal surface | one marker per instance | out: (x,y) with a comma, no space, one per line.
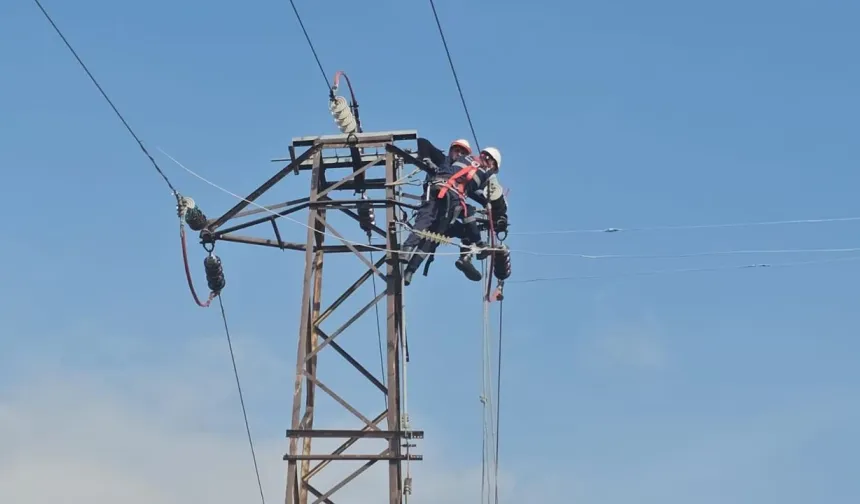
(326,349)
(357,139)
(262,189)
(319,348)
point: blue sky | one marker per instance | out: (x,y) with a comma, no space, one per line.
(736,385)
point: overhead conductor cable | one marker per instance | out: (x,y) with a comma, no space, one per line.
(188,213)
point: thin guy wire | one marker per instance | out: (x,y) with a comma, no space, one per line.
(378,328)
(526,252)
(241,399)
(685,270)
(311,44)
(454,72)
(685,227)
(110,102)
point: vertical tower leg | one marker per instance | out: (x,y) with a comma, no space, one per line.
(393,327)
(325,202)
(314,338)
(296,491)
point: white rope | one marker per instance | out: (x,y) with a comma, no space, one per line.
(525,252)
(691,226)
(489,462)
(405,365)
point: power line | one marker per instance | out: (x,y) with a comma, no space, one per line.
(176,194)
(684,270)
(519,251)
(454,72)
(688,255)
(241,399)
(311,44)
(686,227)
(110,102)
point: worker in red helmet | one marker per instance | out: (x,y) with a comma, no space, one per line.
(435,215)
(433,156)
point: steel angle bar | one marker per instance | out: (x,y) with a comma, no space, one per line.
(349,177)
(346,293)
(340,400)
(262,189)
(347,444)
(365,260)
(357,365)
(346,325)
(345,481)
(260,220)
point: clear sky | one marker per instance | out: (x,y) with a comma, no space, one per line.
(733,385)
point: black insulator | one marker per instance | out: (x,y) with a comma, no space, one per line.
(366,216)
(502,263)
(195,219)
(214,273)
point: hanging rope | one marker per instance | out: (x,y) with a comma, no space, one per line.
(499,396)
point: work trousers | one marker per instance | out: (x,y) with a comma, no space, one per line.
(466,229)
(435,215)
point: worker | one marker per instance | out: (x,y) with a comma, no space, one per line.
(484,189)
(440,162)
(445,201)
(436,213)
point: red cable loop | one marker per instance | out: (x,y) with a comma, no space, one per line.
(188,270)
(354,105)
(348,83)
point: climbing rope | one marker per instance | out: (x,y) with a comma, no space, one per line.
(498,397)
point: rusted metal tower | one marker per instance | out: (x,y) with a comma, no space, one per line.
(321,157)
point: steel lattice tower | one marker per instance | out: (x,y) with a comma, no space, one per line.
(313,342)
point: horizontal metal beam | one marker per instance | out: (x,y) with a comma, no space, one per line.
(350,456)
(260,190)
(375,136)
(356,433)
(267,242)
(367,185)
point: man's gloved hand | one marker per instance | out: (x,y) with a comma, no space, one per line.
(429,162)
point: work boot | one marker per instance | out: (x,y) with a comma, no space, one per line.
(411,267)
(464,264)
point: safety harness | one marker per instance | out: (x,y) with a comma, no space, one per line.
(456,183)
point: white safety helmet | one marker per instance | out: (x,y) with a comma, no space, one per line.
(493,153)
(462,143)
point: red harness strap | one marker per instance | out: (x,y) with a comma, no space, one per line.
(458,181)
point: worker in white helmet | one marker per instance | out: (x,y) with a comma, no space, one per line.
(485,189)
(492,193)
